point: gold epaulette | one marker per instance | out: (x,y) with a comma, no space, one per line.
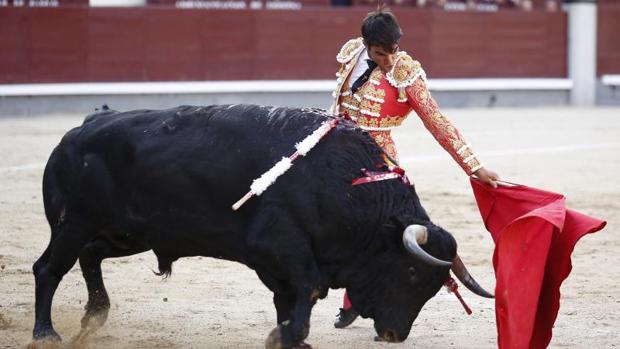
(405,71)
(349,50)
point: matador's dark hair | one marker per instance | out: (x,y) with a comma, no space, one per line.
(380,28)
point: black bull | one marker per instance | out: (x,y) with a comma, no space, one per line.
(124,183)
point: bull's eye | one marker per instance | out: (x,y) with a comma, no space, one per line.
(413,278)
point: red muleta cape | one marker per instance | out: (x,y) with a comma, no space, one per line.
(534,235)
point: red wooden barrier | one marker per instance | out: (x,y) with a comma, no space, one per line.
(608,42)
(167,44)
(43,3)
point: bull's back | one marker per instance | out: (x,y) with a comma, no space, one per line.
(208,156)
(187,153)
(180,170)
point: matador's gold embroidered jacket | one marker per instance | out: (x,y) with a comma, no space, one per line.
(385,100)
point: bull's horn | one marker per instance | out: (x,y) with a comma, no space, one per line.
(416,235)
(458,268)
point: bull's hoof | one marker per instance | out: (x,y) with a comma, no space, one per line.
(46,335)
(95,319)
(274,340)
(45,339)
(43,344)
(80,339)
(302,345)
(388,337)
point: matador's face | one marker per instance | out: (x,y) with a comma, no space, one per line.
(383,58)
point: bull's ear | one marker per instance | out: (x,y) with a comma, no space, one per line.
(396,226)
(402,222)
(392,230)
(399,222)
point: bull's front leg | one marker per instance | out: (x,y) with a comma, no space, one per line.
(292,332)
(282,256)
(284,303)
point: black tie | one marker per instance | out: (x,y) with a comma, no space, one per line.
(362,79)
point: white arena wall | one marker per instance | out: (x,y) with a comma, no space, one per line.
(45,99)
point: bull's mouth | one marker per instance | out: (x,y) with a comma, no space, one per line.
(388,336)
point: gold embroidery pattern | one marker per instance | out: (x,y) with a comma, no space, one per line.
(357,97)
(473,165)
(385,141)
(466,153)
(349,104)
(376,75)
(386,122)
(348,56)
(376,95)
(440,126)
(405,71)
(342,71)
(350,49)
(370,108)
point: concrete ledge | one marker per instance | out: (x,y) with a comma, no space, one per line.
(83,98)
(608,90)
(611,80)
(500,84)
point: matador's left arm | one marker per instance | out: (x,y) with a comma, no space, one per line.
(408,76)
(419,97)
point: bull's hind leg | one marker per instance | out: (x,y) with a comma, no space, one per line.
(56,261)
(43,329)
(91,257)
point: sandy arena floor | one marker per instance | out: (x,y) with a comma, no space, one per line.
(215,304)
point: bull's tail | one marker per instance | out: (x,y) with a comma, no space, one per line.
(78,187)
(54,190)
(164,264)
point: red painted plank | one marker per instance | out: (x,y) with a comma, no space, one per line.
(14,33)
(608,41)
(166,44)
(57,44)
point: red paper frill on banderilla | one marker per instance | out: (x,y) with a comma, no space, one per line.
(534,236)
